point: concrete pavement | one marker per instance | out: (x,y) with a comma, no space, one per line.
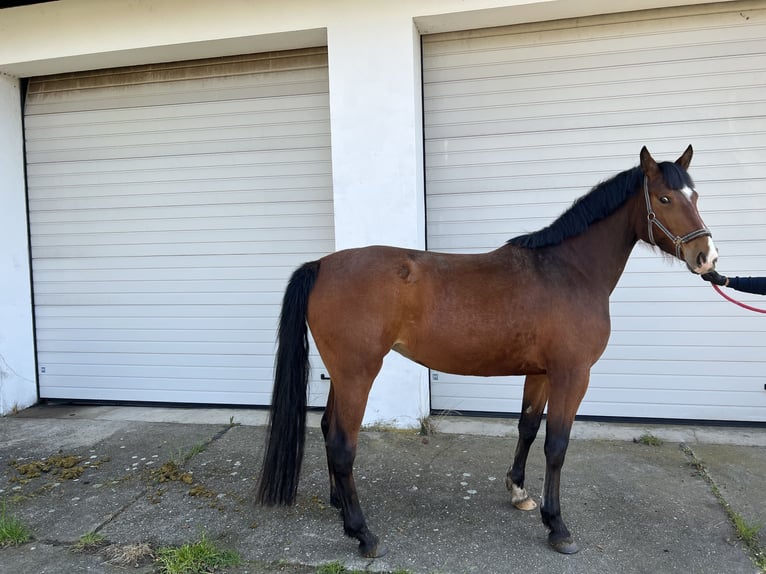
(438,502)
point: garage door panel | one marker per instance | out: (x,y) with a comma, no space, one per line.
(584,157)
(286,261)
(122,174)
(260,159)
(579,116)
(106,148)
(616,95)
(100,360)
(269,232)
(179,84)
(99,204)
(520,121)
(177,273)
(298,214)
(723,132)
(450,91)
(120,333)
(166,217)
(311,249)
(582,115)
(173,121)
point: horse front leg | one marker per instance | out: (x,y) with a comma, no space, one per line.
(532,406)
(565,397)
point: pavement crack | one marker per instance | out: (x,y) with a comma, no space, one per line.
(747,534)
(113,515)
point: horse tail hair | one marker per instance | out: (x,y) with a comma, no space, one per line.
(287,421)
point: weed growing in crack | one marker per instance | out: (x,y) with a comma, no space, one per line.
(13,532)
(195,558)
(89,542)
(648,439)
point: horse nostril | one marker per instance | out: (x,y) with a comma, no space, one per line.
(701,259)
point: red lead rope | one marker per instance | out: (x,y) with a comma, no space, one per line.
(725,296)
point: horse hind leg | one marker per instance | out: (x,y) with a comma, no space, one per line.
(325,424)
(342,426)
(532,406)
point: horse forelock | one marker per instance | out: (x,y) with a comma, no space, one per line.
(600,202)
(675,176)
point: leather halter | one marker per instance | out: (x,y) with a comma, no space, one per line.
(678,240)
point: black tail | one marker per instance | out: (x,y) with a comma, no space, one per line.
(287,423)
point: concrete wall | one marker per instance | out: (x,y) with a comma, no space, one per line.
(18,388)
(376,119)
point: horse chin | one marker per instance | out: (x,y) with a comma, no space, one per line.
(700,269)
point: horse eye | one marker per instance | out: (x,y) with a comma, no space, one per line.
(664,199)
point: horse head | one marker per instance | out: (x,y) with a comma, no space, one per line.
(674,224)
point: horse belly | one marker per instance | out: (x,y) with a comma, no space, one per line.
(478,356)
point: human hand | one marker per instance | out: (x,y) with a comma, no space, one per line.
(715,278)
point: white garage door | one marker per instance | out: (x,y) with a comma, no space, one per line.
(520,121)
(168,205)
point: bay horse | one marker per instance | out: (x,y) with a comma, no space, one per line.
(537,306)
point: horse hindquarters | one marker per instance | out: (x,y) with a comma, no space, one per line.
(287,422)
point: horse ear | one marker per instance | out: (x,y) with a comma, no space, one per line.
(648,164)
(685,158)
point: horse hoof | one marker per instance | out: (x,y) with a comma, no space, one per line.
(566,546)
(525,504)
(374,551)
(519,497)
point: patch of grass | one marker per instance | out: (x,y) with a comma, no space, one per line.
(12,530)
(195,558)
(333,568)
(648,439)
(747,533)
(89,542)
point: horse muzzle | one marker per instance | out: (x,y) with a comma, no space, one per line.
(700,254)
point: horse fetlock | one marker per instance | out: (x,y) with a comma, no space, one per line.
(520,497)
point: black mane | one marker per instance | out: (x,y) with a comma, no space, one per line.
(600,202)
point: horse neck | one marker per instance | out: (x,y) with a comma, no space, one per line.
(601,252)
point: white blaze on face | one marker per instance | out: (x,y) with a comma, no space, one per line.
(688,192)
(712,257)
(712,252)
